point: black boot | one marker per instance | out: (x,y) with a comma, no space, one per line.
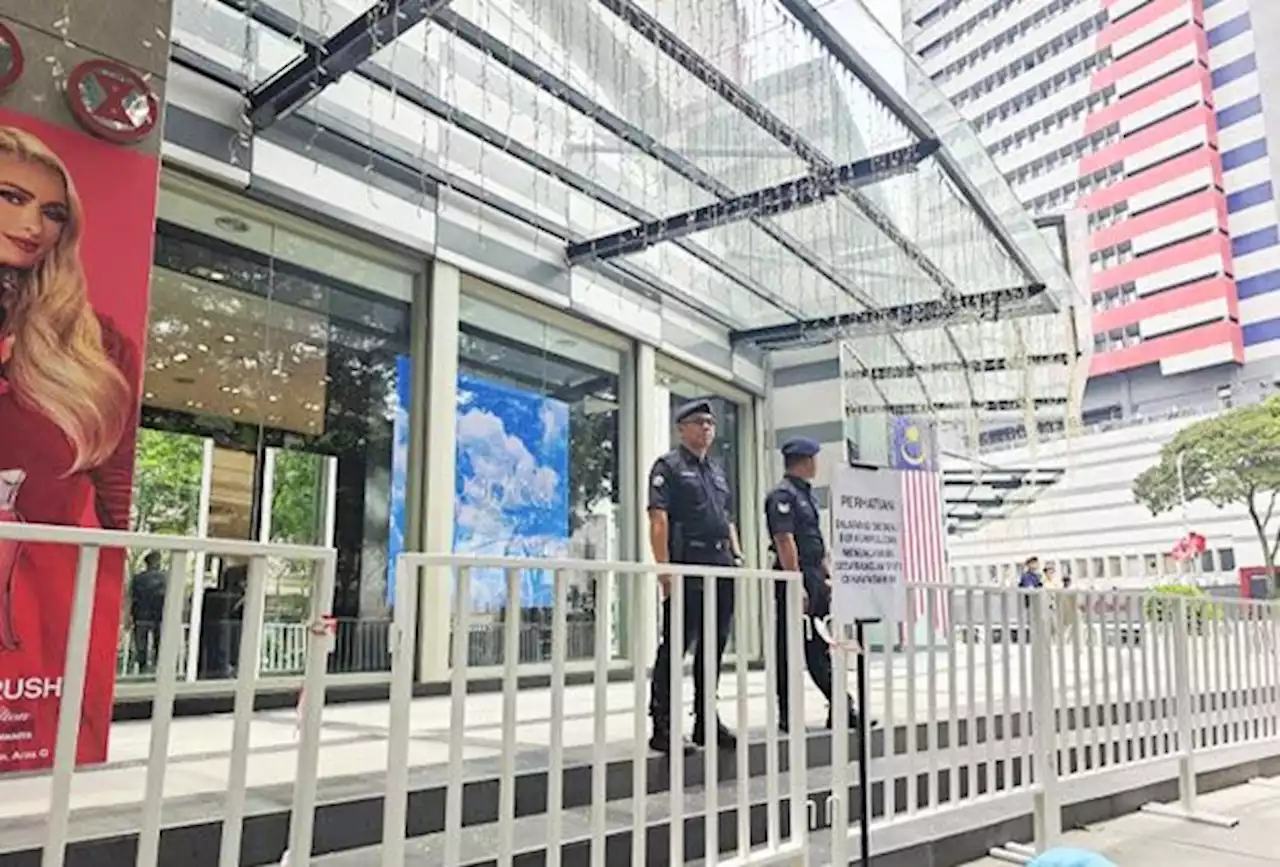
(660,741)
(725,739)
(853,720)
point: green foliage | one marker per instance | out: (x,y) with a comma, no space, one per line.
(592,462)
(1231,459)
(166,490)
(1162,604)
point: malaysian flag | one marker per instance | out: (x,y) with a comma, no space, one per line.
(914,454)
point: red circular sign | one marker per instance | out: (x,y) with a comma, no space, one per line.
(11,60)
(112,101)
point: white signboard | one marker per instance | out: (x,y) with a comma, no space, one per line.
(867,576)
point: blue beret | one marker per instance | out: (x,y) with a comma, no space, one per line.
(800,447)
(702,406)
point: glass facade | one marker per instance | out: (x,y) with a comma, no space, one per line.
(538,470)
(282,372)
(268,414)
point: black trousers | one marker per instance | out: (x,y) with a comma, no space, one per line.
(146,642)
(660,690)
(817,653)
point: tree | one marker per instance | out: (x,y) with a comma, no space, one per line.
(166,485)
(1231,459)
(592,462)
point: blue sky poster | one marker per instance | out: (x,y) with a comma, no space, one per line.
(399,471)
(512,485)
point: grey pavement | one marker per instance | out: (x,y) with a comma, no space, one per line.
(1143,840)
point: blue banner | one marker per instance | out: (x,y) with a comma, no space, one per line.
(399,471)
(512,486)
(913,444)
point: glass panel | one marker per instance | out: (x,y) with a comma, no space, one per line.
(167,498)
(538,449)
(290,376)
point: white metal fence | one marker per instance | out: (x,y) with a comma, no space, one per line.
(1021,703)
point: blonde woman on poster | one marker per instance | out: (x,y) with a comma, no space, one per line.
(68,407)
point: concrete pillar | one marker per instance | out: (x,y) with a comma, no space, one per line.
(439,467)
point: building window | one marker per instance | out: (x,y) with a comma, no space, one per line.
(269,414)
(1227,559)
(538,443)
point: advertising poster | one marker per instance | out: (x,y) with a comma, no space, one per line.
(512,494)
(76,229)
(399,471)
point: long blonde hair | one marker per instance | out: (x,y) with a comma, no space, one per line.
(59,366)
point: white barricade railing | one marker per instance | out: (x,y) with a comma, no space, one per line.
(457,572)
(1012,702)
(90,544)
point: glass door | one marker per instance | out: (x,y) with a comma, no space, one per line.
(274,356)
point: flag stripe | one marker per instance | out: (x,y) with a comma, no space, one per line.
(924,552)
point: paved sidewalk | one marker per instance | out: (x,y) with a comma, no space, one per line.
(1142,840)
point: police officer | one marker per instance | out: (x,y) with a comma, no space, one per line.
(795,531)
(690,522)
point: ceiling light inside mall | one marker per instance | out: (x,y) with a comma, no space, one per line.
(273,398)
(228,338)
(203,347)
(180,357)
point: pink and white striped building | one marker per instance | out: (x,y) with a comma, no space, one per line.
(1149,115)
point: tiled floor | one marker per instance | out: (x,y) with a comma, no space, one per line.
(1142,840)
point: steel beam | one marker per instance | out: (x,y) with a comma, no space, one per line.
(979,306)
(771,201)
(991,406)
(816,24)
(321,65)
(976,365)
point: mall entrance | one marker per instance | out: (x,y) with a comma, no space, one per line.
(274,396)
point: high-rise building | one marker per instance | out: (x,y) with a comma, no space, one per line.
(1150,116)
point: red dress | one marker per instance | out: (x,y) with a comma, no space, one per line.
(44,577)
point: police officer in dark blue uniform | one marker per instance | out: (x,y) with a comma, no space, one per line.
(795,532)
(690,521)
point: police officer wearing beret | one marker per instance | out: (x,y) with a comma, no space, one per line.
(690,521)
(795,531)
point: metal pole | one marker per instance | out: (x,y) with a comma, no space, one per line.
(864,748)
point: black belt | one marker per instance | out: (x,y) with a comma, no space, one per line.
(707,545)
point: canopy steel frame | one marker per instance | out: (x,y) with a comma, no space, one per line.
(692,62)
(839,48)
(984,365)
(633,278)
(322,64)
(990,406)
(975,307)
(771,201)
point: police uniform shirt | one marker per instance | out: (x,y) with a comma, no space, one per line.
(792,508)
(694,492)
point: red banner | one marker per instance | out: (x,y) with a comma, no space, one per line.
(77,221)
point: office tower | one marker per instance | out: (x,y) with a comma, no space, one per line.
(1150,116)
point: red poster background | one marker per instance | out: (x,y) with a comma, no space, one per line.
(117,187)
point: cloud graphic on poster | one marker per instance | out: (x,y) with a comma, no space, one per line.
(503,475)
(511,485)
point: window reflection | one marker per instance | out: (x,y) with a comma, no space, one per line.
(268,414)
(537,474)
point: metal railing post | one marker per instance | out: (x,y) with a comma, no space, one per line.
(1048,808)
(1186,806)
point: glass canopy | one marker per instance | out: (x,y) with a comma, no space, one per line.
(585,118)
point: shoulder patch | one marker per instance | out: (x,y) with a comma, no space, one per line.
(784,508)
(659,480)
